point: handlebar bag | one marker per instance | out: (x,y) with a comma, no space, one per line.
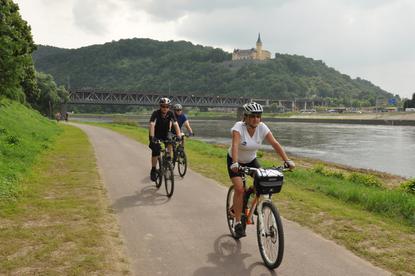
(268,181)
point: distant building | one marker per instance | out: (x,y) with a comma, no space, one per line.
(255,54)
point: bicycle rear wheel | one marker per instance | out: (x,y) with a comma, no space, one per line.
(159,169)
(271,236)
(169,180)
(181,162)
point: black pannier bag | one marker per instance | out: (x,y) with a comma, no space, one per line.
(268,181)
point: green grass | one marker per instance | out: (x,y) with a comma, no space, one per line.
(60,223)
(24,134)
(362,190)
(354,209)
(54,215)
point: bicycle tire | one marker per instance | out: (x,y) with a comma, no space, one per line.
(181,162)
(273,236)
(230,218)
(160,173)
(169,180)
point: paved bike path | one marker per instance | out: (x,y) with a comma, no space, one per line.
(188,234)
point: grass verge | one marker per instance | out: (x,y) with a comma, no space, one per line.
(24,134)
(60,223)
(327,203)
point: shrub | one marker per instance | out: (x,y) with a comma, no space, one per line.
(364,179)
(320,169)
(12,140)
(408,186)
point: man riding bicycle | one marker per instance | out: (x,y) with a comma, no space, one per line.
(182,118)
(159,128)
(247,137)
(182,121)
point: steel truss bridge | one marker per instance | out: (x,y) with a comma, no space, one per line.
(93,96)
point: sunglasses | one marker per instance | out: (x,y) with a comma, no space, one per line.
(164,106)
(178,110)
(254,115)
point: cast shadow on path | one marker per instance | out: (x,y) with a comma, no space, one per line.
(227,259)
(147,196)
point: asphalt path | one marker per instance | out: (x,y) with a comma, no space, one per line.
(187,234)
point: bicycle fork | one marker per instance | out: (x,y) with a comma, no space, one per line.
(261,217)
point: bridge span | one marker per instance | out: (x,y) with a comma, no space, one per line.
(95,96)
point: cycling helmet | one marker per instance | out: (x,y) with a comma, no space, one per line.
(178,106)
(164,101)
(252,108)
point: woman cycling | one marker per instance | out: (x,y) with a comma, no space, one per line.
(247,137)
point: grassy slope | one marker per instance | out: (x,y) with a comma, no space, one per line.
(23,135)
(54,217)
(385,239)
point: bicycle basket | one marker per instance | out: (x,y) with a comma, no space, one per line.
(268,181)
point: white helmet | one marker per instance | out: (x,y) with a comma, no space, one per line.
(253,108)
(178,106)
(164,101)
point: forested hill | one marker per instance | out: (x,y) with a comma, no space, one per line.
(183,68)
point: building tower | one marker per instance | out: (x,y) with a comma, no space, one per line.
(259,47)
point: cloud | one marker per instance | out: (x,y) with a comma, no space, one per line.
(93,17)
(174,9)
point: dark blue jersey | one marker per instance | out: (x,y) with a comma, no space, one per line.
(181,119)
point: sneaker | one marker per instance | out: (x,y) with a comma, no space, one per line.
(239,231)
(153,174)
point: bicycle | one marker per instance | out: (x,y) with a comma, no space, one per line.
(180,157)
(164,167)
(270,234)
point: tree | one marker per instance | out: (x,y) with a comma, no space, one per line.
(51,96)
(410,103)
(16,46)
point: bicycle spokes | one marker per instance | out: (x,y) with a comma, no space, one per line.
(270,235)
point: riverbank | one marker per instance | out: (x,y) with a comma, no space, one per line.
(339,203)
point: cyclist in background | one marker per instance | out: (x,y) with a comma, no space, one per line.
(247,137)
(160,125)
(182,119)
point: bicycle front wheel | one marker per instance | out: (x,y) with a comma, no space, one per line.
(160,173)
(169,180)
(181,163)
(270,236)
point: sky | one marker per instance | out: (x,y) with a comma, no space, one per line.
(370,39)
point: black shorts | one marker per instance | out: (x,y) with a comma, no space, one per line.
(254,163)
(155,147)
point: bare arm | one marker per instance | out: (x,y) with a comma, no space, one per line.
(176,127)
(151,126)
(187,125)
(236,138)
(277,147)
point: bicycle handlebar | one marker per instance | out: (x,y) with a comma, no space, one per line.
(249,170)
(166,141)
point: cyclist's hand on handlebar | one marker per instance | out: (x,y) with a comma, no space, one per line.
(234,167)
(289,164)
(191,134)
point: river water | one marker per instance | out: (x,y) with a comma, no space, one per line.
(383,148)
